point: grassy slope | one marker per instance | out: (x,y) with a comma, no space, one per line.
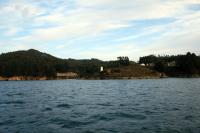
(131,71)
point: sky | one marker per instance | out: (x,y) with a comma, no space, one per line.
(103,29)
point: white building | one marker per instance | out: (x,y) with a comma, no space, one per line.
(101,69)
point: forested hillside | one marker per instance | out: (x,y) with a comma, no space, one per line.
(175,65)
(36,63)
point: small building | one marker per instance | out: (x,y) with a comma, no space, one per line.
(67,75)
(171,64)
(151,64)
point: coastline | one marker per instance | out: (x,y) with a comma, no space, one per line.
(22,78)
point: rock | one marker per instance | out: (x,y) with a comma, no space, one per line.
(2,78)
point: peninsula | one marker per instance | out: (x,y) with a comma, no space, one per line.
(35,65)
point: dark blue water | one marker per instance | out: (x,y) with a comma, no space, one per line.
(100,106)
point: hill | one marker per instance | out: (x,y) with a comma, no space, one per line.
(33,63)
(187,65)
(28,63)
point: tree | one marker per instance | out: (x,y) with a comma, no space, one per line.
(147,60)
(123,60)
(188,63)
(160,66)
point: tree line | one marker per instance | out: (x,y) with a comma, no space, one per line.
(174,65)
(35,63)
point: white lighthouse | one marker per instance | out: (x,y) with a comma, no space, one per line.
(101,69)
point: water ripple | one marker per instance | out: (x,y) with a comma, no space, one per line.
(13,102)
(104,106)
(63,106)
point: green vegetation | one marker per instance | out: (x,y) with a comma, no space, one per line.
(37,64)
(180,65)
(34,63)
(123,60)
(28,63)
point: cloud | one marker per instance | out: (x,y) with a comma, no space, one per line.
(12,31)
(15,13)
(43,23)
(100,16)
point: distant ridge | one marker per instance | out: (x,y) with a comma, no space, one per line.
(28,63)
(33,63)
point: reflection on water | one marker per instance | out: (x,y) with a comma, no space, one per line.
(105,106)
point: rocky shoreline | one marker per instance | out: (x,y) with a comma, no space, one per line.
(19,78)
(23,78)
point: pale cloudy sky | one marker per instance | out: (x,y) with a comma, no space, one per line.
(101,29)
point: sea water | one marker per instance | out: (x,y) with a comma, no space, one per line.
(100,106)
